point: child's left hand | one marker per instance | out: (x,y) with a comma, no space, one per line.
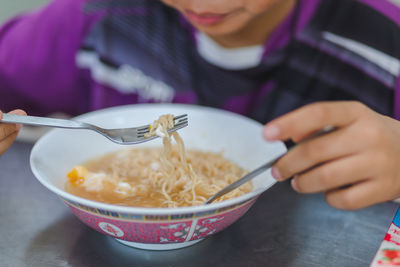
(355,166)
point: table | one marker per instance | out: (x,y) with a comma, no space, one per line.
(283,228)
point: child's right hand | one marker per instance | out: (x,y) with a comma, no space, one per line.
(8,132)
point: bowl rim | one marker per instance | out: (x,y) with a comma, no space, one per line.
(143,210)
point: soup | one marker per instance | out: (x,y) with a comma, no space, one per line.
(167,176)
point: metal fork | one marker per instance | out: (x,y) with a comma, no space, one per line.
(123,136)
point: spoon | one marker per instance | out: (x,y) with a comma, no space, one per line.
(263,167)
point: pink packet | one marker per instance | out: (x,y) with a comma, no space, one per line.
(388,253)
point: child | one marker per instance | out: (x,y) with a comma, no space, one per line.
(260,58)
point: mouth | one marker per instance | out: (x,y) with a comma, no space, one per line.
(206,18)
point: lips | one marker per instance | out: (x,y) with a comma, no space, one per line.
(205,18)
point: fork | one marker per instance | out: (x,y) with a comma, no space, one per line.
(123,136)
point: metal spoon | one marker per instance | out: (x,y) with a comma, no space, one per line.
(262,168)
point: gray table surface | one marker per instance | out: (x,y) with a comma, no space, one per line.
(283,228)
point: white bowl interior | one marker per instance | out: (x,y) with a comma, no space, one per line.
(237,137)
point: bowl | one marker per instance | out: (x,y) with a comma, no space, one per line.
(237,137)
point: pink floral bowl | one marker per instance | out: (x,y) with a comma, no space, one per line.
(237,137)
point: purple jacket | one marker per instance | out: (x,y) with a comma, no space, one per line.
(75,56)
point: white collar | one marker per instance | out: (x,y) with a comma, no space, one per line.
(228,58)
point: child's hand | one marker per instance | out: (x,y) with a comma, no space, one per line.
(355,166)
(8,132)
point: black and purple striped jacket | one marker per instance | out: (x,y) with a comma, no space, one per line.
(75,56)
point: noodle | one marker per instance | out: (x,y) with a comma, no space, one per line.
(155,177)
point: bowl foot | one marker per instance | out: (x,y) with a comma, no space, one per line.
(158,246)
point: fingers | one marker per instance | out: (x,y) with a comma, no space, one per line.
(8,129)
(333,175)
(18,112)
(304,121)
(8,132)
(355,166)
(316,151)
(6,142)
(355,197)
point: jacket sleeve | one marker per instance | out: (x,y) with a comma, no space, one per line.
(397,99)
(38,72)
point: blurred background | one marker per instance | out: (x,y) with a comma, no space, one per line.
(11,7)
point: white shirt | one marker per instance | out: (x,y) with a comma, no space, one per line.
(228,58)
